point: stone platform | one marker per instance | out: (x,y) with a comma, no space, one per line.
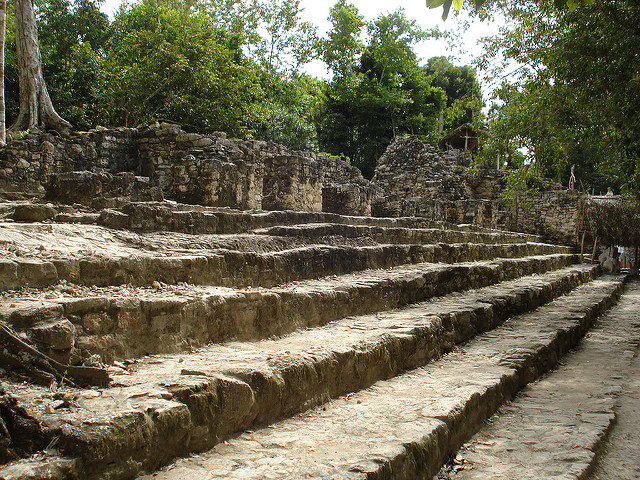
(252,344)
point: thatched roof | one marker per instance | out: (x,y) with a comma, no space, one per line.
(464,135)
(614,220)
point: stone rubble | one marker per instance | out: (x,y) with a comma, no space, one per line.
(418,180)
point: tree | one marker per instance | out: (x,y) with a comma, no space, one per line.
(387,93)
(343,45)
(72,36)
(287,42)
(576,98)
(171,62)
(36,108)
(457,4)
(289,110)
(464,99)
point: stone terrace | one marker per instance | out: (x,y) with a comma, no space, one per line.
(283,344)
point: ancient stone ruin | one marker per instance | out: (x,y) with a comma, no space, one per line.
(419,180)
(191,306)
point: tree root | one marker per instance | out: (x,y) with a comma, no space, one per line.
(42,369)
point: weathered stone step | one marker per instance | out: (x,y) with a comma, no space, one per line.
(127,322)
(172,405)
(394,234)
(554,427)
(185,218)
(169,216)
(240,269)
(404,428)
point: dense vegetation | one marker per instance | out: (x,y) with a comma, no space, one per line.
(237,66)
(568,79)
(574,99)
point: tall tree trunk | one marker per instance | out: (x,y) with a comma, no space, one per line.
(3,28)
(36,109)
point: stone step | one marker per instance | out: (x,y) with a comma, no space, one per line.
(394,235)
(242,269)
(127,322)
(404,428)
(171,405)
(554,427)
(150,216)
(147,217)
(170,216)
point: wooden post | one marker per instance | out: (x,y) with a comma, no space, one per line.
(595,248)
(584,234)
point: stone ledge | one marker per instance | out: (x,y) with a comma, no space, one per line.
(404,428)
(563,417)
(119,327)
(232,268)
(177,404)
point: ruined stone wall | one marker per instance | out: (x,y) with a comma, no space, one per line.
(26,164)
(553,214)
(201,169)
(418,180)
(411,169)
(344,190)
(191,168)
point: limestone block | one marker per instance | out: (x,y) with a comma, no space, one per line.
(34,213)
(97,322)
(113,219)
(36,273)
(26,315)
(22,164)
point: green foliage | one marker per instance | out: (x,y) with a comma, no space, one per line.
(289,111)
(72,35)
(525,180)
(164,62)
(570,5)
(343,45)
(575,100)
(464,99)
(236,66)
(384,94)
(287,42)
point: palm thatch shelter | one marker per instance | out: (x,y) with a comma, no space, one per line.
(614,220)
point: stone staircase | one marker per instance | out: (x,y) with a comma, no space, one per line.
(277,344)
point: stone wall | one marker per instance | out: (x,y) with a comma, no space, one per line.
(553,214)
(26,164)
(344,190)
(412,178)
(96,189)
(202,169)
(419,180)
(191,168)
(412,169)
